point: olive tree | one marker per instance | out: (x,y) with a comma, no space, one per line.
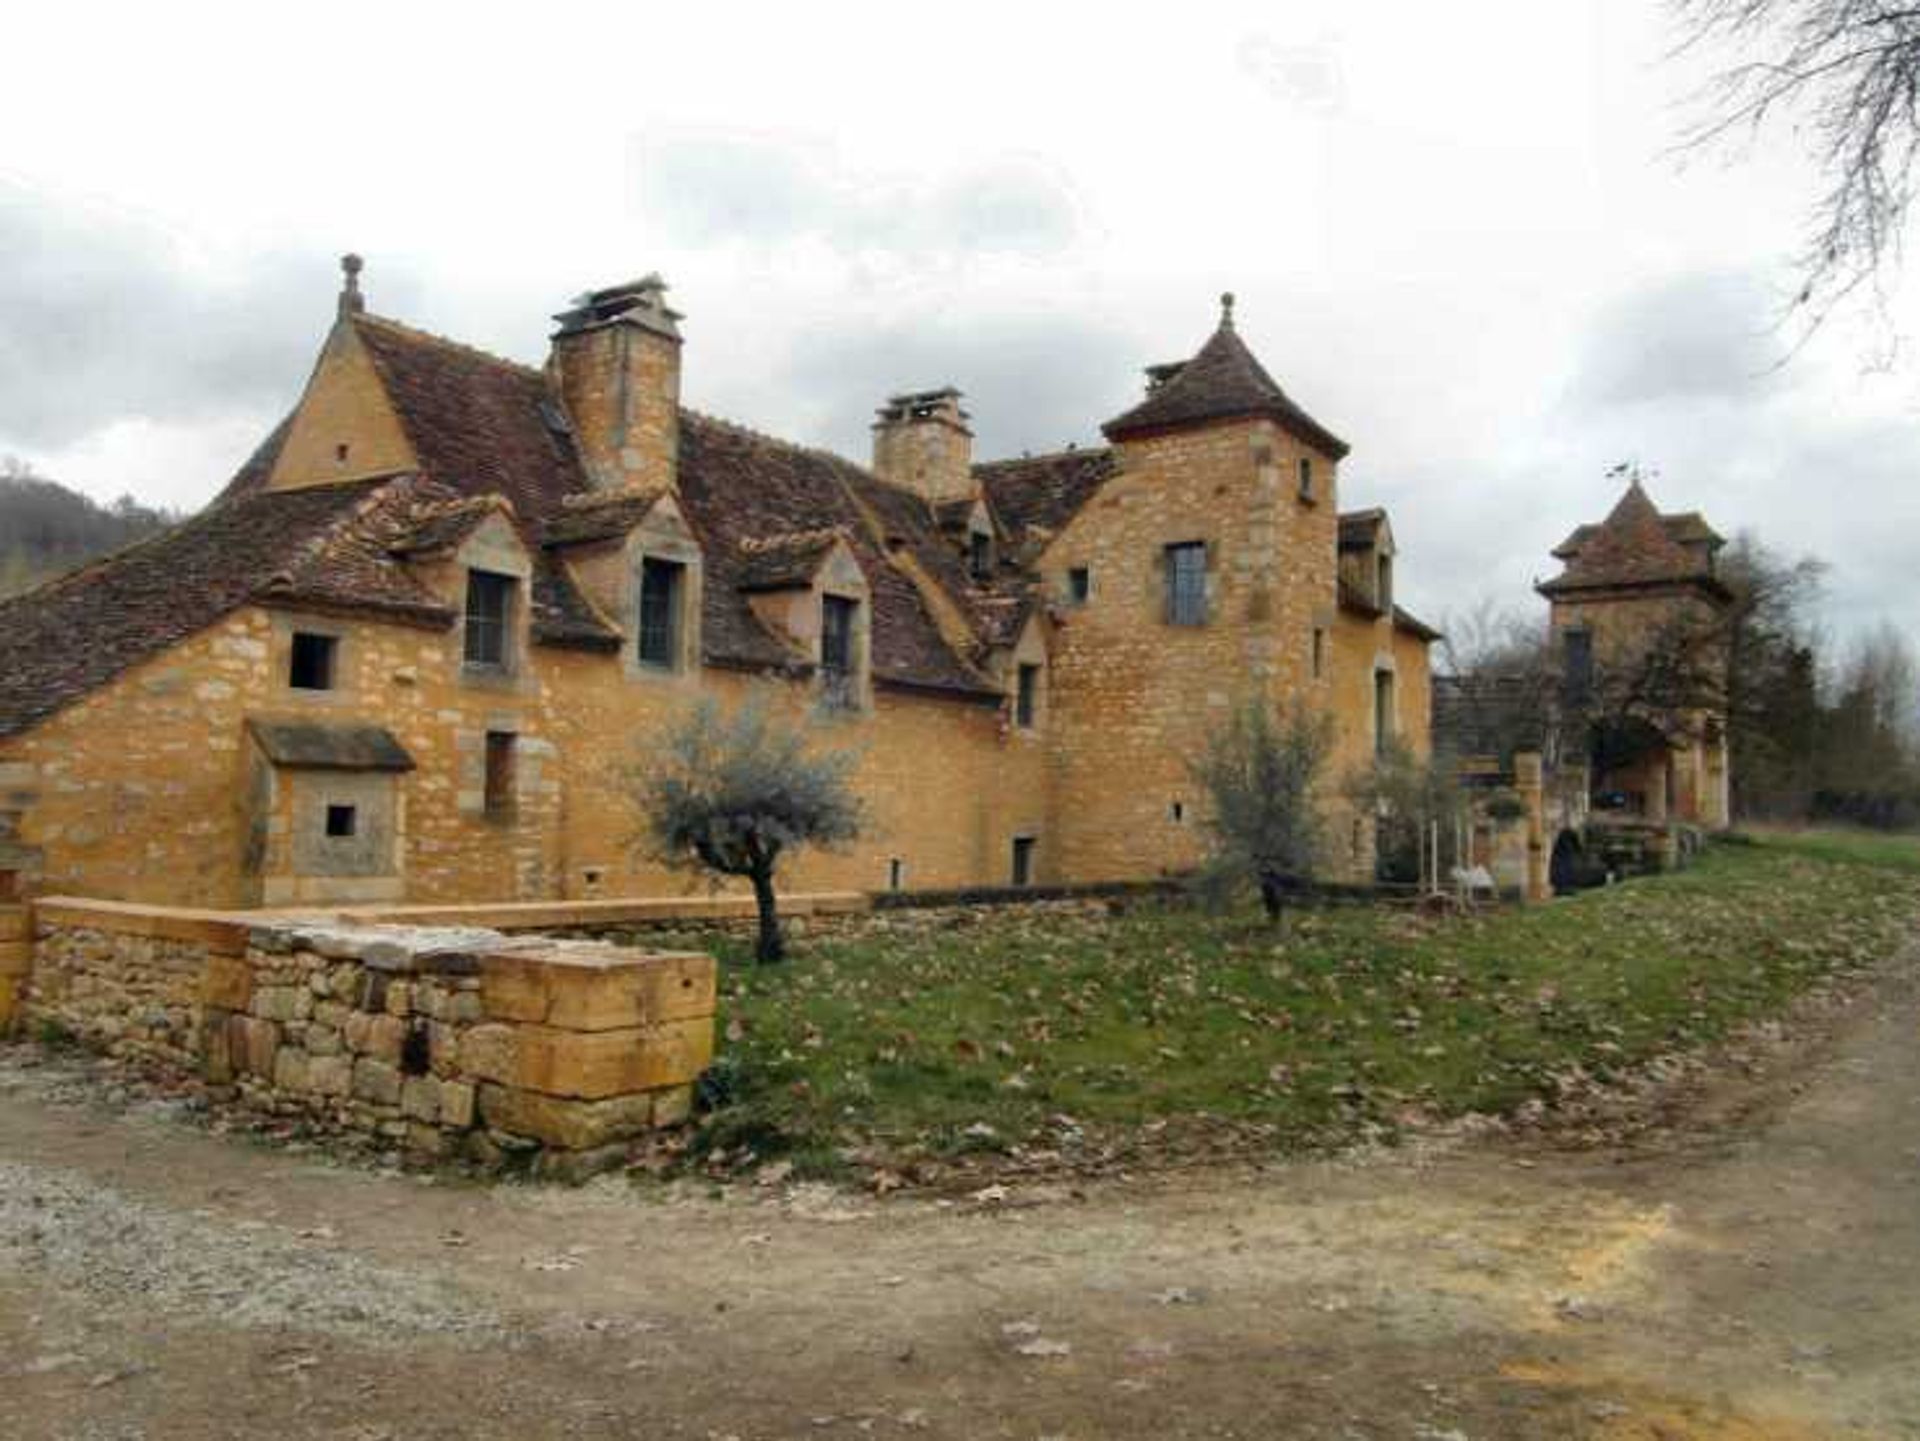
(731,793)
(1261,773)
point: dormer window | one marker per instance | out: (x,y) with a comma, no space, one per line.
(489,619)
(1383,582)
(980,555)
(662,591)
(838,650)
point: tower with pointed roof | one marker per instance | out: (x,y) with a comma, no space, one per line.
(1639,594)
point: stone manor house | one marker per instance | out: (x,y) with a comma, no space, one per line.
(407,650)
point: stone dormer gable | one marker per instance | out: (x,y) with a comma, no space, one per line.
(1636,547)
(1223,381)
(789,561)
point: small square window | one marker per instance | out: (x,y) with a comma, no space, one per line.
(1079,585)
(342,821)
(311,661)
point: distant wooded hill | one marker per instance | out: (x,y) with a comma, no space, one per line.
(47,529)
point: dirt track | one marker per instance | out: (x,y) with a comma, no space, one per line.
(1754,1273)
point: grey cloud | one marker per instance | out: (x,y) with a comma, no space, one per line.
(708,188)
(102,317)
(1701,336)
(1032,382)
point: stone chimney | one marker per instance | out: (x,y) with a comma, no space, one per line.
(921,441)
(615,365)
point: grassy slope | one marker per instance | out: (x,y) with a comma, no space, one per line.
(906,1040)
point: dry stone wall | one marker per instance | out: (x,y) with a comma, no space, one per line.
(442,1041)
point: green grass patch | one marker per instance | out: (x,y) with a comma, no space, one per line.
(922,1036)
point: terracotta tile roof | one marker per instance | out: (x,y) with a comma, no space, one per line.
(1035,496)
(592,519)
(736,485)
(445,526)
(1223,381)
(478,423)
(1687,527)
(786,562)
(66,639)
(564,617)
(1634,546)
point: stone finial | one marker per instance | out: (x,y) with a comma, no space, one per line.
(1226,310)
(352,302)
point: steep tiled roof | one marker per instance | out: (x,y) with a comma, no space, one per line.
(1222,382)
(1633,546)
(736,486)
(443,527)
(477,423)
(73,635)
(1035,496)
(562,616)
(784,562)
(1404,619)
(1688,527)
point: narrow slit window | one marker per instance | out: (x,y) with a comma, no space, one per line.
(1382,711)
(896,874)
(1319,651)
(1023,847)
(662,583)
(1079,584)
(500,772)
(1026,700)
(1306,477)
(342,821)
(837,615)
(311,663)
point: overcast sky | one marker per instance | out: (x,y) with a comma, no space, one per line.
(1457,235)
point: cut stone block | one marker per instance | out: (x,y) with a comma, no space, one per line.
(586,986)
(569,1123)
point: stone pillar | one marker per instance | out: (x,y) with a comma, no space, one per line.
(16,961)
(1528,782)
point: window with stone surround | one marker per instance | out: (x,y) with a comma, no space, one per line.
(1186,569)
(1306,478)
(312,661)
(662,612)
(489,620)
(1026,696)
(1319,652)
(500,788)
(1079,585)
(342,821)
(839,650)
(1382,711)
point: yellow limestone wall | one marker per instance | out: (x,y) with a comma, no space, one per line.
(147,790)
(345,404)
(1134,698)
